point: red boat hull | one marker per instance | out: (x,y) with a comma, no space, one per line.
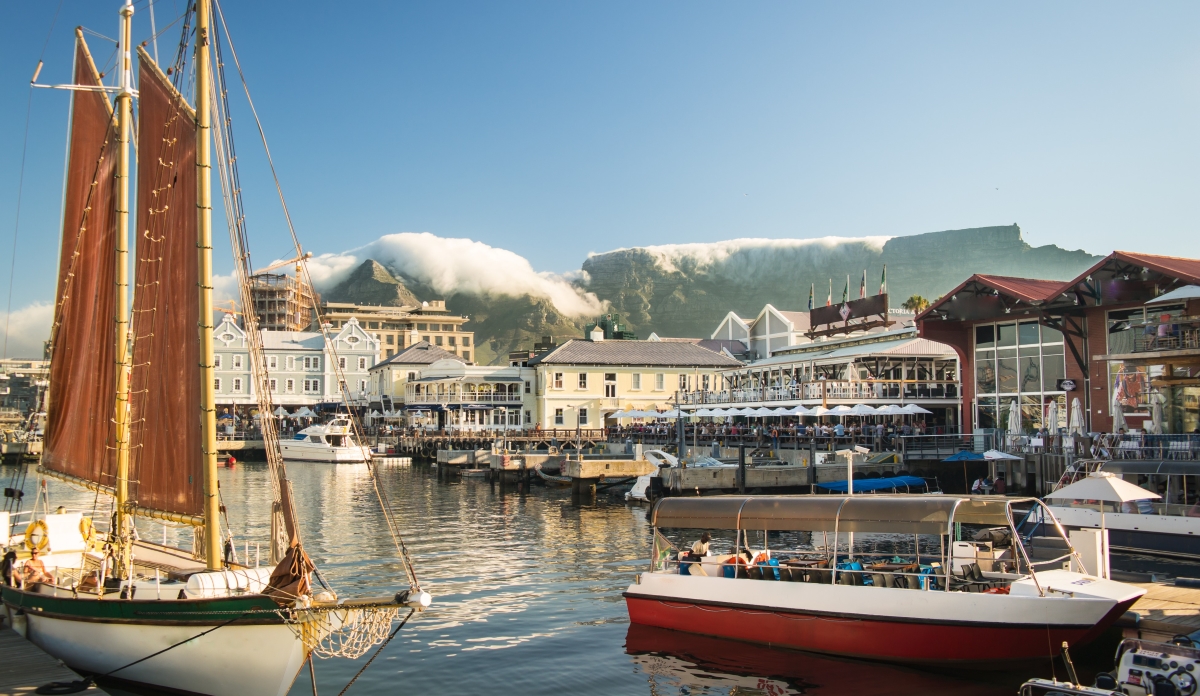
(866,636)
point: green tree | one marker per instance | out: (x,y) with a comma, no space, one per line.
(916,304)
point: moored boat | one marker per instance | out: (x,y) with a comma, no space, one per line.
(326,442)
(928,603)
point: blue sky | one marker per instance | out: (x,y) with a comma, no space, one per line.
(554,129)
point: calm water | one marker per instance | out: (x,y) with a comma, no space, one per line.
(527,595)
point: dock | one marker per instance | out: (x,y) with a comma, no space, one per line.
(1166,610)
(24,667)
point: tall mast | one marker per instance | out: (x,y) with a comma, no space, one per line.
(208,412)
(121,417)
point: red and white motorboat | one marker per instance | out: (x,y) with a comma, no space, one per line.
(969,602)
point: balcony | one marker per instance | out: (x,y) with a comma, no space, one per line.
(458,398)
(1152,339)
(864,391)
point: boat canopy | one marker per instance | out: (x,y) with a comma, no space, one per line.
(1147,467)
(911,514)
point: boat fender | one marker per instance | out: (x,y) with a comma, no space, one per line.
(37,534)
(88,531)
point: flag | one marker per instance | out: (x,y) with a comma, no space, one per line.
(846,290)
(829,299)
(883,281)
(661,553)
(862,287)
(812,288)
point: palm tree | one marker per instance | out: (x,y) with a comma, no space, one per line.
(916,304)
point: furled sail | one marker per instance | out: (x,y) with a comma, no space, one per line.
(166,462)
(79,420)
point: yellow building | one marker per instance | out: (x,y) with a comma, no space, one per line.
(581,383)
(401,327)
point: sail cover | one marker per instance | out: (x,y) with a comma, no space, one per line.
(79,430)
(166,462)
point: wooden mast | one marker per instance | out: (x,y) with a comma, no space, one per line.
(208,412)
(121,416)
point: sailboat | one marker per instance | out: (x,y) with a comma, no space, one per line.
(131,411)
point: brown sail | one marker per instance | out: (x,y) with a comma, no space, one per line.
(79,429)
(166,462)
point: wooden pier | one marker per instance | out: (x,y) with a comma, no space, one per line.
(1165,611)
(24,666)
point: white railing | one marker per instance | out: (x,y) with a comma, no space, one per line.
(462,398)
(867,390)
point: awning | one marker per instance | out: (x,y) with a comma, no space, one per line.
(912,514)
(502,378)
(1187,292)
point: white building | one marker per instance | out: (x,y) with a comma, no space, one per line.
(770,331)
(451,395)
(300,366)
(389,378)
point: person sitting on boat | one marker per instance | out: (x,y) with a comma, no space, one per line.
(35,571)
(700,548)
(12,576)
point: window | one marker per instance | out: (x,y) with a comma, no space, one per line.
(412,376)
(437,340)
(660,381)
(635,381)
(422,327)
(341,363)
(558,416)
(217,384)
(312,386)
(237,385)
(528,417)
(290,386)
(237,362)
(466,340)
(610,385)
(291,362)
(372,325)
(1022,363)
(216,362)
(362,363)
(583,416)
(362,385)
(312,363)
(467,355)
(558,380)
(683,382)
(453,341)
(583,380)
(391,339)
(274,386)
(272,362)
(528,386)
(390,352)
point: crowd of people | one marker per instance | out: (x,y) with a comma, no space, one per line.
(787,434)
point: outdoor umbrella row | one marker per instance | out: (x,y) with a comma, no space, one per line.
(764,412)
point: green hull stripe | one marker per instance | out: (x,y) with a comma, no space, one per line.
(257,608)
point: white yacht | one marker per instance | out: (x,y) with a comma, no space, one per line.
(326,442)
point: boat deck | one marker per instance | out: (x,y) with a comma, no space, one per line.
(1167,610)
(24,666)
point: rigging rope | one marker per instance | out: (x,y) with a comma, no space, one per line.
(385,503)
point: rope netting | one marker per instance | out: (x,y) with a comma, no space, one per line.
(341,632)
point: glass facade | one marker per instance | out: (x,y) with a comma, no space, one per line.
(1022,362)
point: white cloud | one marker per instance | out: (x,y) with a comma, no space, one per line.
(28,328)
(451,265)
(736,257)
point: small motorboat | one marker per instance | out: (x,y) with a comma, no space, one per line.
(326,442)
(919,595)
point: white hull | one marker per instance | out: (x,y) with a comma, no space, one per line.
(235,660)
(1169,535)
(296,450)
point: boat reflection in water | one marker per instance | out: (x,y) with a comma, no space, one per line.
(677,662)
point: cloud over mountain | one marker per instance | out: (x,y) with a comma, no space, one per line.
(452,266)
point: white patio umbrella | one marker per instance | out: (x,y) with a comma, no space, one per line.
(916,410)
(781,411)
(674,413)
(1014,418)
(280,411)
(1107,487)
(821,411)
(1118,414)
(619,414)
(763,411)
(1156,415)
(864,410)
(889,410)
(841,410)
(705,412)
(1052,417)
(1075,423)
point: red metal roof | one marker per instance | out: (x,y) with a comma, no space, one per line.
(1024,289)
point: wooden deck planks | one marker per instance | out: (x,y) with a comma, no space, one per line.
(1168,604)
(24,666)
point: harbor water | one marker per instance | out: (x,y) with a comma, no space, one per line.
(527,595)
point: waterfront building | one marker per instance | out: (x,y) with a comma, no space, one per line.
(301,369)
(398,328)
(877,369)
(775,330)
(1126,330)
(581,383)
(450,395)
(282,302)
(389,378)
(23,383)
